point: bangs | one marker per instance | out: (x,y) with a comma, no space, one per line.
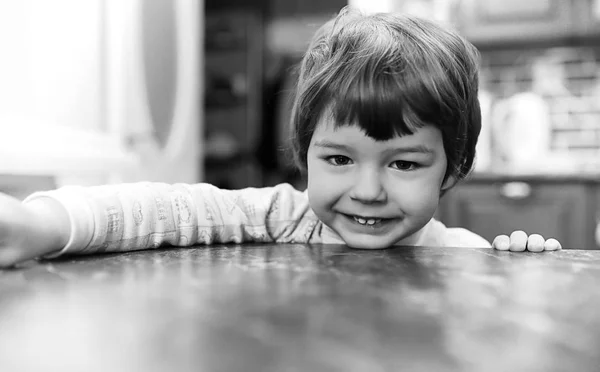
(385,104)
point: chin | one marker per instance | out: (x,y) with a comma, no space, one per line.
(368,242)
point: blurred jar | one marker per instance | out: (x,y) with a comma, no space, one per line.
(521,132)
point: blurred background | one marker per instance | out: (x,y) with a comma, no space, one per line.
(103,91)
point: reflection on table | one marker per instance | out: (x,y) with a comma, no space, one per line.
(303,308)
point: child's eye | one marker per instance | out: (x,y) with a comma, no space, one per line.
(338,160)
(405,165)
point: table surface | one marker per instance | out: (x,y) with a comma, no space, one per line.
(304,308)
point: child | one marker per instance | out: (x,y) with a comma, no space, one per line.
(385,121)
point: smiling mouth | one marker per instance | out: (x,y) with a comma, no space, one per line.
(366,221)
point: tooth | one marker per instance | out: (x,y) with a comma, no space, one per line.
(361,220)
(370,222)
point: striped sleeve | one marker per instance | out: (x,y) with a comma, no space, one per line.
(117,218)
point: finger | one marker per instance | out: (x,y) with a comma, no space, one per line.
(552,245)
(535,243)
(501,243)
(518,241)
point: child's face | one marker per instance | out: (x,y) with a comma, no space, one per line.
(374,194)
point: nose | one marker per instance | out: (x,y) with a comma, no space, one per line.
(368,188)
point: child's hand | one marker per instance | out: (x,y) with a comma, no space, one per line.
(519,242)
(30,230)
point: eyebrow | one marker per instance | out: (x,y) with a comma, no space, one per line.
(398,150)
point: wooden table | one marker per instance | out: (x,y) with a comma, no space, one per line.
(304,308)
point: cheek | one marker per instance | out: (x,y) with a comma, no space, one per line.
(313,178)
(314,183)
(428,190)
(317,182)
(323,187)
(418,198)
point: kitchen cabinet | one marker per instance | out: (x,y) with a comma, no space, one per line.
(232,99)
(292,8)
(565,209)
(497,22)
(597,228)
(502,21)
(587,17)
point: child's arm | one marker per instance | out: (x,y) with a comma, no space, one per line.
(124,217)
(519,242)
(146,215)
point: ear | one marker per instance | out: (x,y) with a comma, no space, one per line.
(449,183)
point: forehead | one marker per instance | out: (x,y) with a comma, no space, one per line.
(355,137)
